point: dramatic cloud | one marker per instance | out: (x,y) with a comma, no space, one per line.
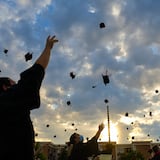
(127,47)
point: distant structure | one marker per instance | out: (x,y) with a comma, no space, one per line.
(54,151)
(109,137)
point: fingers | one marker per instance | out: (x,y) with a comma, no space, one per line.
(48,37)
(101,126)
(52,38)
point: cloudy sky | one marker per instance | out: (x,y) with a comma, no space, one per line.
(128,47)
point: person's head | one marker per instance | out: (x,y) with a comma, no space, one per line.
(76,138)
(155,149)
(5,83)
(150,151)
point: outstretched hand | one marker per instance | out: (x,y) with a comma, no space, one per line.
(44,58)
(50,41)
(101,127)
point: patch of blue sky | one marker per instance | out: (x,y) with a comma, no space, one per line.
(155,49)
(10,3)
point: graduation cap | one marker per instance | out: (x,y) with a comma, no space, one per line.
(126,114)
(36,134)
(68,103)
(5,51)
(72,75)
(105,79)
(156,91)
(93,86)
(28,56)
(106,101)
(47,125)
(102,25)
(150,113)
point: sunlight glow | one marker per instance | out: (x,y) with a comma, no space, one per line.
(113,132)
(127,120)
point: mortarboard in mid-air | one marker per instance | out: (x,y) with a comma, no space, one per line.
(28,56)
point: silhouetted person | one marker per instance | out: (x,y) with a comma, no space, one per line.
(150,151)
(156,151)
(16,101)
(78,150)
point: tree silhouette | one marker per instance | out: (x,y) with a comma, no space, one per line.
(132,155)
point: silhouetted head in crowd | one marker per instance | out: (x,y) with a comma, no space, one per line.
(5,83)
(155,149)
(76,138)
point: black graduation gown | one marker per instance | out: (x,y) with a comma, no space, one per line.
(17,134)
(82,151)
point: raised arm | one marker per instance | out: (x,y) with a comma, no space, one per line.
(44,58)
(100,129)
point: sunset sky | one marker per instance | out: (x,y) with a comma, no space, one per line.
(128,48)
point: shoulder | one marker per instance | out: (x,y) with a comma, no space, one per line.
(33,69)
(35,72)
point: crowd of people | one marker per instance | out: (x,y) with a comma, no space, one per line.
(18,99)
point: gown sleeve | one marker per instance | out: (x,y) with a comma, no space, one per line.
(24,94)
(91,147)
